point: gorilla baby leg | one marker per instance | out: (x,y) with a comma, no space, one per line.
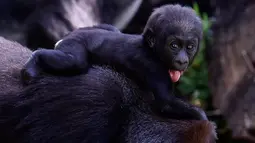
(179,109)
(69,56)
(168,104)
(107,27)
(176,108)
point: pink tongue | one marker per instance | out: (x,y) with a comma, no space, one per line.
(175,75)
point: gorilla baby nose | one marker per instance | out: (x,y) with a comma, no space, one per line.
(181,62)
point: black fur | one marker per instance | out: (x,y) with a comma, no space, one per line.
(11,63)
(102,106)
(169,42)
(99,107)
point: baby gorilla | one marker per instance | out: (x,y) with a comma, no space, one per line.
(167,46)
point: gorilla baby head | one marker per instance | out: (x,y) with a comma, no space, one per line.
(174,32)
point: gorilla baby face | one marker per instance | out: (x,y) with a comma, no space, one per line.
(174,33)
(178,51)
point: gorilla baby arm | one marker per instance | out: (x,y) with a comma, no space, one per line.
(69,57)
(162,48)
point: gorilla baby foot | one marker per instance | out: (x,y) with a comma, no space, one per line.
(28,74)
(30,70)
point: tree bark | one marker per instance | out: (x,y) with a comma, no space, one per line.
(231,65)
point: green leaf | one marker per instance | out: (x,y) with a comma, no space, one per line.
(194,81)
(196,8)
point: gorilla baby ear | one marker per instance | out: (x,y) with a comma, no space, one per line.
(149,37)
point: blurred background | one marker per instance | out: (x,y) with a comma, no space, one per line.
(221,79)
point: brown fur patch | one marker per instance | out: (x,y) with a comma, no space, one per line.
(200,132)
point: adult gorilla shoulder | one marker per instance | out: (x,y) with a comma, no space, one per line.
(13,56)
(101,106)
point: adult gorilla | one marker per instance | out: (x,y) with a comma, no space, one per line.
(101,106)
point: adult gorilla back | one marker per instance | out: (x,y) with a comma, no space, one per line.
(101,106)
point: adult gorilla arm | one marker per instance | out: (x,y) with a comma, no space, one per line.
(102,106)
(147,128)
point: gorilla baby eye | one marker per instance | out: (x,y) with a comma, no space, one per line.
(174,45)
(191,46)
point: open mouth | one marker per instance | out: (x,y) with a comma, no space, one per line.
(175,75)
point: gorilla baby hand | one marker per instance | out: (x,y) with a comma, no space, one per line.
(180,110)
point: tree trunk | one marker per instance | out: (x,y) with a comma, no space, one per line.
(231,65)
